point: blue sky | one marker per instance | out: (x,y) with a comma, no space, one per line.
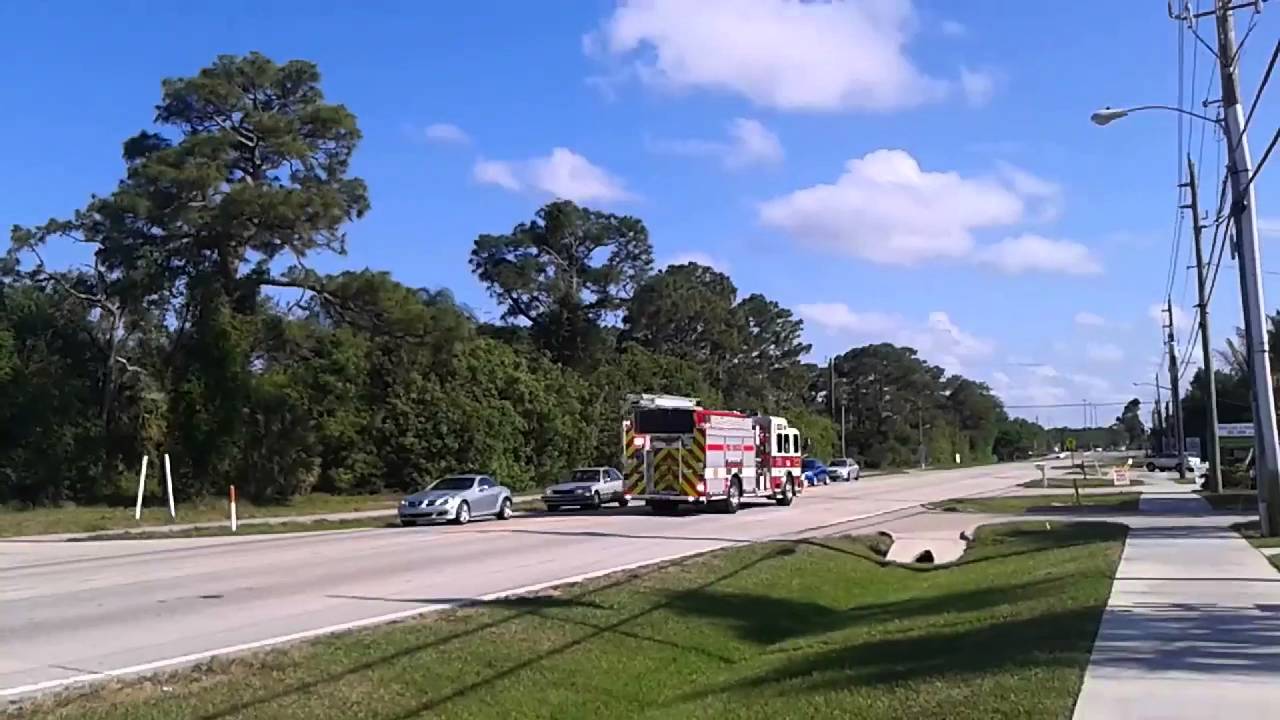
(920,172)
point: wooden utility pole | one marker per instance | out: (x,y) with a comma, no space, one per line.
(1210,378)
(1176,396)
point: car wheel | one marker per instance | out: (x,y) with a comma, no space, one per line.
(731,504)
(407,523)
(1151,467)
(1177,468)
(595,501)
(504,509)
(462,515)
(858,475)
(623,502)
(788,494)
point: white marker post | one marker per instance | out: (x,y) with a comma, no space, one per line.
(233,508)
(142,484)
(168,487)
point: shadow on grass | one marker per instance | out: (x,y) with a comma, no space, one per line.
(522,607)
(760,618)
(1061,638)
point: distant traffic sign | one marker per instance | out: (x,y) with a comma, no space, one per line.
(1071,444)
(1227,430)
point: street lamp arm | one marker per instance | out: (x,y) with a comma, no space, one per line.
(1108,115)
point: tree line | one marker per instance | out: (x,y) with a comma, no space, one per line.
(192,323)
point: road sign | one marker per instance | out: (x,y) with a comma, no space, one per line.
(1227,430)
(1071,444)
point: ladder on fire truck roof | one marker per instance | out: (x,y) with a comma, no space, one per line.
(647,400)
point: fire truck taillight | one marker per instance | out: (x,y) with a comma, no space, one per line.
(702,488)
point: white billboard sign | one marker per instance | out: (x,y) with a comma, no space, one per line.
(1235,430)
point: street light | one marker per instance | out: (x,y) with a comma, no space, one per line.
(1108,115)
(1157,386)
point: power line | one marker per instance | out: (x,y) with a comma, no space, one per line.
(1076,406)
(1266,76)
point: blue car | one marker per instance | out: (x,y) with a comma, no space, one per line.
(815,473)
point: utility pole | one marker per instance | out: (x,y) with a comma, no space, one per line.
(920,424)
(1244,211)
(1158,430)
(1177,397)
(831,385)
(1210,378)
(844,447)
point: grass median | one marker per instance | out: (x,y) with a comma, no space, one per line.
(1018,504)
(1066,482)
(93,518)
(812,629)
(275,528)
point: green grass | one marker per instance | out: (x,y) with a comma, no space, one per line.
(41,521)
(1015,504)
(275,528)
(1065,482)
(254,529)
(815,629)
(1252,531)
(1236,500)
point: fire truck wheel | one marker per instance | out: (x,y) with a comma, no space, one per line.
(730,504)
(788,494)
(463,514)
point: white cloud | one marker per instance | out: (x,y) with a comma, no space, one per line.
(1045,371)
(1034,253)
(700,257)
(886,209)
(749,143)
(1104,352)
(496,172)
(1091,384)
(790,55)
(1089,319)
(1000,379)
(1046,196)
(839,318)
(562,173)
(977,86)
(446,133)
(567,174)
(938,340)
(953,28)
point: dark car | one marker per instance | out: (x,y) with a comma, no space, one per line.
(815,473)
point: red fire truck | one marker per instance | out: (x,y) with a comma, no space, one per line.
(676,452)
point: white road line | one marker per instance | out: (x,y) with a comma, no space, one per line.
(330,629)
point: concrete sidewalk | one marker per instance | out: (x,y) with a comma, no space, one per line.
(1192,628)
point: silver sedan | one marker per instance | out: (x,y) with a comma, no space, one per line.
(457,498)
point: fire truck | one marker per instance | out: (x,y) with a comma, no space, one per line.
(676,452)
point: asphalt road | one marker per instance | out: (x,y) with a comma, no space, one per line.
(76,612)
